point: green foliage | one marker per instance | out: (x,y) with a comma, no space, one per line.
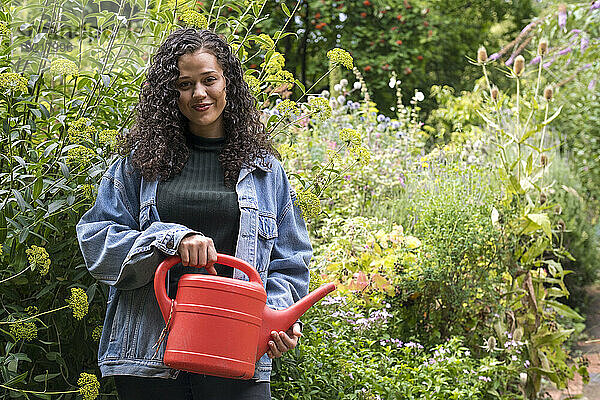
(358,357)
(416,39)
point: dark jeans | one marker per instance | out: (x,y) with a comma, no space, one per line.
(189,386)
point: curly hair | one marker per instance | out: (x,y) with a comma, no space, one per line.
(158,139)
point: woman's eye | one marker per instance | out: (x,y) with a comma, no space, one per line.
(211,79)
(184,84)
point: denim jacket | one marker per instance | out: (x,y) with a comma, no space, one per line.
(123,241)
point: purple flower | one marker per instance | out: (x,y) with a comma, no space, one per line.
(496,56)
(592,84)
(535,60)
(509,62)
(565,51)
(584,43)
(562,17)
(575,31)
(595,5)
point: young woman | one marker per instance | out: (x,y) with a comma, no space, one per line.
(200,178)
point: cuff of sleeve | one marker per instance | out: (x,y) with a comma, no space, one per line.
(169,243)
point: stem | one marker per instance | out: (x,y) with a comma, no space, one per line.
(537,87)
(14,276)
(517,131)
(33,316)
(34,392)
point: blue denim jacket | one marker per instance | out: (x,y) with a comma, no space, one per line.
(123,241)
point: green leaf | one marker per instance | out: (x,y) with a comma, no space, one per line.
(551,338)
(286,10)
(543,222)
(565,310)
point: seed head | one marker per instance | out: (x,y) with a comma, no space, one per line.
(557,209)
(309,203)
(194,18)
(38,259)
(351,136)
(561,225)
(78,302)
(495,93)
(548,92)
(12,81)
(26,331)
(543,198)
(320,108)
(88,386)
(482,55)
(543,47)
(340,56)
(63,66)
(543,160)
(519,65)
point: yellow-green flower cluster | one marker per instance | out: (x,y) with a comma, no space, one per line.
(97,333)
(350,136)
(340,56)
(38,259)
(108,138)
(194,18)
(320,108)
(361,153)
(287,107)
(4,31)
(80,156)
(253,83)
(24,331)
(12,81)
(287,151)
(266,43)
(89,386)
(89,191)
(81,130)
(0,249)
(63,66)
(275,64)
(78,302)
(309,203)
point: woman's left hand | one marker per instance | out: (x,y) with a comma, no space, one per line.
(283,341)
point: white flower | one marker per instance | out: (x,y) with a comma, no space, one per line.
(337,87)
(341,99)
(357,85)
(344,82)
(392,82)
(419,96)
(325,93)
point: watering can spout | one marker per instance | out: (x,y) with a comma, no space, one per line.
(281,320)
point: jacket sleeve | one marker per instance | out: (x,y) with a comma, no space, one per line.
(114,248)
(288,274)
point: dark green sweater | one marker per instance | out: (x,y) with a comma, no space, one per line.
(198,198)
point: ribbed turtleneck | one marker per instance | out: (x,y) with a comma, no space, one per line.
(198,198)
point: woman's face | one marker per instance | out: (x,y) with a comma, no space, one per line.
(201,86)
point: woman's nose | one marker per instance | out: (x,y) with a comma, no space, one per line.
(199,91)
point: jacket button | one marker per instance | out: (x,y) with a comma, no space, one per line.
(170,243)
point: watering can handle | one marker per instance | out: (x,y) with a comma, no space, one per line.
(160,275)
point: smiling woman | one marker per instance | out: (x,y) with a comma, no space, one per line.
(200,177)
(202,92)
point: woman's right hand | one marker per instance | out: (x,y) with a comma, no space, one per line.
(198,251)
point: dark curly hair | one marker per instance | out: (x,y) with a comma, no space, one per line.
(158,138)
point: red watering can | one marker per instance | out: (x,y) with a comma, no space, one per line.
(221,326)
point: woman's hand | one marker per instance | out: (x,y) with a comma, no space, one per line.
(283,341)
(198,251)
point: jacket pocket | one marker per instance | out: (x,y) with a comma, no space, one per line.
(267,225)
(267,236)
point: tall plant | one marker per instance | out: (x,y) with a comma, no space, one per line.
(530,230)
